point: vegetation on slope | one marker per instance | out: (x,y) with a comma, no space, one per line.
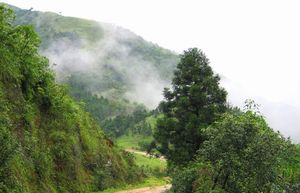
(48,142)
(120,64)
(149,182)
(121,51)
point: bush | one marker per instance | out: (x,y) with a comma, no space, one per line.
(183,180)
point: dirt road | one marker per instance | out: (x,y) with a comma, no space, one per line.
(157,189)
(143,153)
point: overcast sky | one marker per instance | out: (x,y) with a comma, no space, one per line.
(253,44)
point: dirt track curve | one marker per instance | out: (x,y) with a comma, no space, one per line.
(157,189)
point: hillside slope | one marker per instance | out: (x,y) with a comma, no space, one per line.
(108,60)
(47,142)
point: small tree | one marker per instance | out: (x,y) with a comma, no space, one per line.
(194,102)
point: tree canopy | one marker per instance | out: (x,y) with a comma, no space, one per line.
(195,101)
(241,153)
(244,153)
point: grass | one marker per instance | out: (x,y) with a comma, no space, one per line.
(149,182)
(131,142)
(153,167)
(151,163)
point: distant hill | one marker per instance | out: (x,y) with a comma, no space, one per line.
(108,60)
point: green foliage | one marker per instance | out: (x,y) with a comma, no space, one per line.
(151,166)
(290,168)
(51,26)
(195,101)
(126,124)
(8,149)
(241,154)
(103,87)
(132,141)
(117,117)
(244,152)
(86,34)
(48,143)
(183,180)
(148,182)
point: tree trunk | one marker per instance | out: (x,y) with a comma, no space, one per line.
(225,181)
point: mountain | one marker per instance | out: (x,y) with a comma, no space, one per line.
(105,59)
(48,143)
(116,73)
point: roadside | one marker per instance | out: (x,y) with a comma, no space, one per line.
(153,167)
(151,183)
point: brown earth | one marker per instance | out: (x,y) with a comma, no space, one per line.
(157,189)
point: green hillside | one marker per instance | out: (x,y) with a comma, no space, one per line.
(114,54)
(57,92)
(48,143)
(112,70)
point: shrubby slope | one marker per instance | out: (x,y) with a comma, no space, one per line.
(48,143)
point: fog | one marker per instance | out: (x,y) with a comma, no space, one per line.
(144,83)
(280,116)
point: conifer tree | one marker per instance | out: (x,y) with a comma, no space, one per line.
(195,101)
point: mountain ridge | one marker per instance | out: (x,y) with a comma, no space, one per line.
(100,49)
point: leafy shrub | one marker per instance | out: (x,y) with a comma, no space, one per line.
(183,180)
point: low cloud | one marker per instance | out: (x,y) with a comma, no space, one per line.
(280,116)
(144,83)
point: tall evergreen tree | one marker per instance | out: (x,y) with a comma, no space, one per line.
(193,103)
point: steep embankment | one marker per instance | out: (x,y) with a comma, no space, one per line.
(47,142)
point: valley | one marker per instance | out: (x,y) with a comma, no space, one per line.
(87,106)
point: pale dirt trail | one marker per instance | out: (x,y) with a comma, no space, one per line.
(137,152)
(157,189)
(143,153)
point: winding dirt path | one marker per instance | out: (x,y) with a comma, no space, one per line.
(157,189)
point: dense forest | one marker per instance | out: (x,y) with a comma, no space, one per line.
(70,94)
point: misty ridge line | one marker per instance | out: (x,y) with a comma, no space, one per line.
(143,81)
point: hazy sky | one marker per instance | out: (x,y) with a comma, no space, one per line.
(254,44)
